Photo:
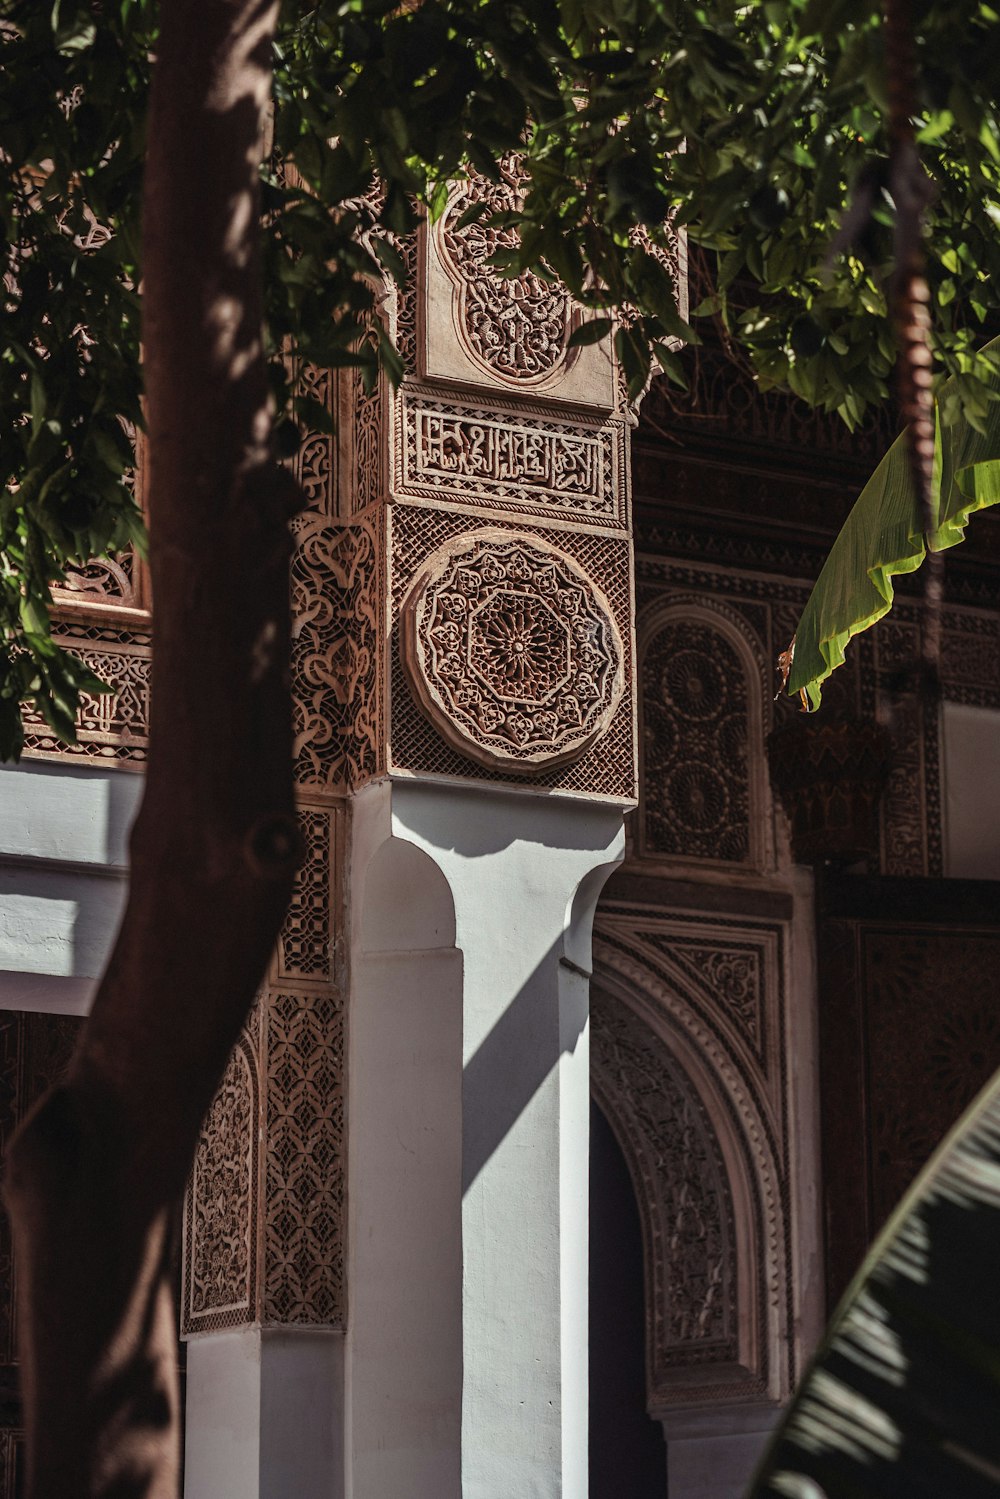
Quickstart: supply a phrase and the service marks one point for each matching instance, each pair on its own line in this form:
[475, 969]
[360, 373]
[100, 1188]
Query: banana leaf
[884, 535]
[903, 1396]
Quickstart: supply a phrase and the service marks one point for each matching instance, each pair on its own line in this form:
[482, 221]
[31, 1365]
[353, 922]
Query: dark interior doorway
[628, 1456]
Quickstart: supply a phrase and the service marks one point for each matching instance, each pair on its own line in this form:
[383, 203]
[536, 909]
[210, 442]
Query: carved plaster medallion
[512, 651]
[513, 329]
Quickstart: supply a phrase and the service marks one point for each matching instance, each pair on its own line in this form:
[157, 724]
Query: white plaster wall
[63, 860]
[971, 791]
[222, 1445]
[712, 1452]
[265, 1415]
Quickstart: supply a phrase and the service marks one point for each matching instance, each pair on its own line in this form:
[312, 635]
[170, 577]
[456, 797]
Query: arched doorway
[627, 1451]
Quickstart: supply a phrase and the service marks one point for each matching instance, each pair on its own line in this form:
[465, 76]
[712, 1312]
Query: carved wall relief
[689, 1065]
[220, 1267]
[703, 792]
[483, 329]
[304, 1161]
[512, 651]
[513, 329]
[112, 726]
[685, 1201]
[263, 1240]
[337, 582]
[757, 613]
[509, 456]
[591, 569]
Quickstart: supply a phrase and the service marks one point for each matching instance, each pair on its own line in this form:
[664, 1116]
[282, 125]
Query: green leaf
[883, 536]
[590, 332]
[901, 1397]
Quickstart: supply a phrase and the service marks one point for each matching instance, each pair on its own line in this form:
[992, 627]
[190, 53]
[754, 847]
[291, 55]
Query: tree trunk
[96, 1171]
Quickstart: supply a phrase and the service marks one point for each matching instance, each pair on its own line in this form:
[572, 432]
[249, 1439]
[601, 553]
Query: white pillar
[468, 1130]
[264, 1415]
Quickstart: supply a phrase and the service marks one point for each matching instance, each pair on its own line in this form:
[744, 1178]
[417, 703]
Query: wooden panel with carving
[910, 1031]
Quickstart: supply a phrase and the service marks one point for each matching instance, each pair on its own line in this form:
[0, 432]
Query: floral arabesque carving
[220, 1239]
[336, 577]
[513, 329]
[512, 651]
[672, 1149]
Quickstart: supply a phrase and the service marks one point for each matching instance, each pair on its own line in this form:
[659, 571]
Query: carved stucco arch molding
[763, 1367]
[696, 609]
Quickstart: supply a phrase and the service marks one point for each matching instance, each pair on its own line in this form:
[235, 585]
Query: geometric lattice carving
[514, 330]
[512, 651]
[220, 1237]
[269, 1172]
[695, 719]
[305, 946]
[303, 1238]
[671, 1145]
[336, 587]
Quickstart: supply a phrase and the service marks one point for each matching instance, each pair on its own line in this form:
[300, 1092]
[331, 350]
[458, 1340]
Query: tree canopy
[759, 130]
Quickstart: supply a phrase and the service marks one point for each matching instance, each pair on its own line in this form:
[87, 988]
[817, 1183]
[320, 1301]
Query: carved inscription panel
[509, 458]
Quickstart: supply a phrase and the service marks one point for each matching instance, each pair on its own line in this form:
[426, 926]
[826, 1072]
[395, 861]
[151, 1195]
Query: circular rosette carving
[512, 651]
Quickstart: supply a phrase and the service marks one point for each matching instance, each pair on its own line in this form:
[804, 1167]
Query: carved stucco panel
[263, 1217]
[222, 1202]
[508, 455]
[487, 330]
[684, 1199]
[512, 651]
[338, 582]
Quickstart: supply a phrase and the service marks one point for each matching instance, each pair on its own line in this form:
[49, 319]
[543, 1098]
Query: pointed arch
[710, 1188]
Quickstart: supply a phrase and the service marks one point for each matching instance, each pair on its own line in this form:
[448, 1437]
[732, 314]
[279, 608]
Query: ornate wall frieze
[111, 726]
[512, 651]
[509, 457]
